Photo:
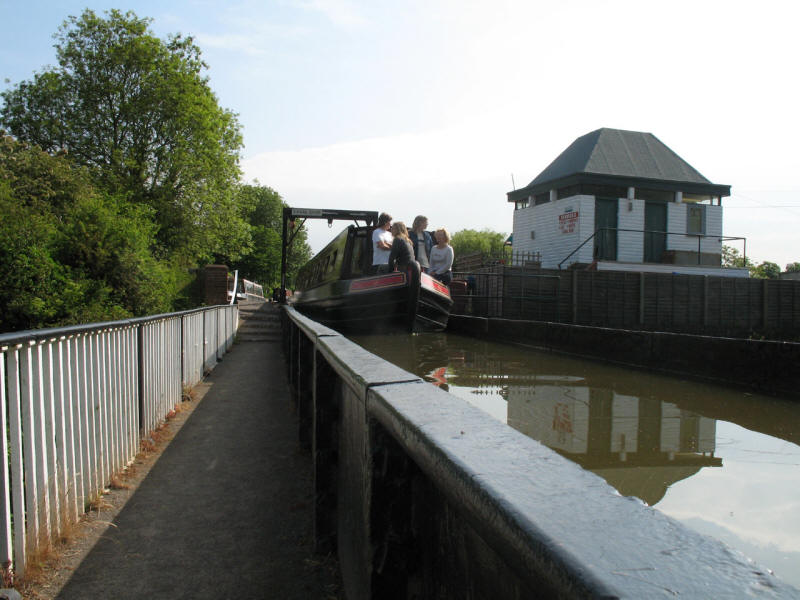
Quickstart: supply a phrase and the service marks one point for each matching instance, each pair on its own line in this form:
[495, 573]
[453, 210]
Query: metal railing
[242, 288]
[700, 238]
[511, 293]
[478, 260]
[75, 404]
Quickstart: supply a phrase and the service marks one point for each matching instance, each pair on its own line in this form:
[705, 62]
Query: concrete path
[226, 510]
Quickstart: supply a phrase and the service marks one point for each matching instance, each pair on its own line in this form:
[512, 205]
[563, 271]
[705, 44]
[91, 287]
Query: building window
[696, 219]
[524, 203]
[605, 191]
[568, 192]
[698, 198]
[654, 195]
[542, 198]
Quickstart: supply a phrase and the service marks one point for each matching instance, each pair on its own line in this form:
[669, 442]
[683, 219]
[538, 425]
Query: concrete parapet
[423, 495]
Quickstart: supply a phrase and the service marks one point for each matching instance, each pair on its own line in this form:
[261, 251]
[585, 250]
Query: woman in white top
[441, 258]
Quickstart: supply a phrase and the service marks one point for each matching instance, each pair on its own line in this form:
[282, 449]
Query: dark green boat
[336, 289]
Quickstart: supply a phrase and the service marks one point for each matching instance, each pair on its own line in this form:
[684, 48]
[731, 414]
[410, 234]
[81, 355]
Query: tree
[731, 258]
[263, 210]
[793, 267]
[766, 270]
[486, 241]
[138, 112]
[72, 253]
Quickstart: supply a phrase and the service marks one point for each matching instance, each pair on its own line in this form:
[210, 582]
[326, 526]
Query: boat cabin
[347, 256]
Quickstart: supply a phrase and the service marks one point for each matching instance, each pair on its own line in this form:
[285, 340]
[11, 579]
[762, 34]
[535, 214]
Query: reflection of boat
[335, 288]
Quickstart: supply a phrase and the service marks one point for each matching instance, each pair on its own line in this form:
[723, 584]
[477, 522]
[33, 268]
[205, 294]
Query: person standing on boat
[422, 242]
[442, 257]
[381, 244]
[402, 251]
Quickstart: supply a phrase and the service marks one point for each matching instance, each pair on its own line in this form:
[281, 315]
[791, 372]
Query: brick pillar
[215, 284]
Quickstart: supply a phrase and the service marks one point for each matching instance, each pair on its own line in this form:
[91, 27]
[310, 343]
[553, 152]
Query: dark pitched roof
[615, 155]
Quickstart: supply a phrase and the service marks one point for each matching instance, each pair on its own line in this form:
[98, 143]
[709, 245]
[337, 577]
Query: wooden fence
[699, 304]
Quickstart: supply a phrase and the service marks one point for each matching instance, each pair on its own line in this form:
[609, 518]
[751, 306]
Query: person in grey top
[422, 242]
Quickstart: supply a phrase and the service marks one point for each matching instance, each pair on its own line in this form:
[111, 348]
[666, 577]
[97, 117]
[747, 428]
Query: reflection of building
[641, 446]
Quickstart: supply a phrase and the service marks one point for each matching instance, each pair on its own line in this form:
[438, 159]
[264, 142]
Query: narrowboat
[336, 289]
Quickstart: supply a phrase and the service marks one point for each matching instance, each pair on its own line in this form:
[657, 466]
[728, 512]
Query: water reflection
[694, 450]
[641, 446]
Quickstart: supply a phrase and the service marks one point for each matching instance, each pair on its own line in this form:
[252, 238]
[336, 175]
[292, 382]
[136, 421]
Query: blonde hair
[399, 230]
[418, 220]
[446, 234]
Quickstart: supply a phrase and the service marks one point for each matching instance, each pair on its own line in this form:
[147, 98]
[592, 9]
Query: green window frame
[695, 219]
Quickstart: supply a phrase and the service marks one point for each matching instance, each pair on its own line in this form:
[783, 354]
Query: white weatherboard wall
[557, 416]
[630, 244]
[676, 223]
[624, 424]
[553, 240]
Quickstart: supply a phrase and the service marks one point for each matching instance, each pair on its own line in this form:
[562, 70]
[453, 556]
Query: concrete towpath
[226, 512]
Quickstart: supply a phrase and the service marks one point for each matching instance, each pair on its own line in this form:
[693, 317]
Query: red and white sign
[567, 220]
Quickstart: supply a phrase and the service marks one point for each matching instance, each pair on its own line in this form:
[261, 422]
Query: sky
[441, 107]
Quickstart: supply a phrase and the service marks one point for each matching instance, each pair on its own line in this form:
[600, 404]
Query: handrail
[79, 401]
[15, 337]
[699, 236]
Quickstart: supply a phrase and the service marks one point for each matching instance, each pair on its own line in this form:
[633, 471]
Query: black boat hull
[400, 301]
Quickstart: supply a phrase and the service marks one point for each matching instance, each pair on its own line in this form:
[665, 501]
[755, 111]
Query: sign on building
[567, 221]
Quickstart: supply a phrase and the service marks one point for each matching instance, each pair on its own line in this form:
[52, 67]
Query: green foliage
[72, 253]
[731, 258]
[766, 270]
[262, 208]
[31, 278]
[107, 240]
[486, 241]
[138, 113]
[793, 267]
[122, 176]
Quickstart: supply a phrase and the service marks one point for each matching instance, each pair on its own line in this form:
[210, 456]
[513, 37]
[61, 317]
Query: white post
[29, 439]
[73, 430]
[15, 418]
[6, 549]
[60, 401]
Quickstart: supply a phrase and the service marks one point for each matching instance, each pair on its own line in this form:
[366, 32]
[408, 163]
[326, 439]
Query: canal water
[722, 461]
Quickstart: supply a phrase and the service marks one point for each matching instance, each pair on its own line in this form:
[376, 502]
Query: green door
[655, 220]
[605, 226]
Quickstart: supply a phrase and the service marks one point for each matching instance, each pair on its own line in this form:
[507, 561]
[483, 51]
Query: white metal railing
[251, 288]
[75, 403]
[241, 289]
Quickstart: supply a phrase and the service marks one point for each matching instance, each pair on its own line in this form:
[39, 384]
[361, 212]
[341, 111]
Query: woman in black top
[402, 252]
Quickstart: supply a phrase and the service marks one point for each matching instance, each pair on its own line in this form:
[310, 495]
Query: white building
[622, 200]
